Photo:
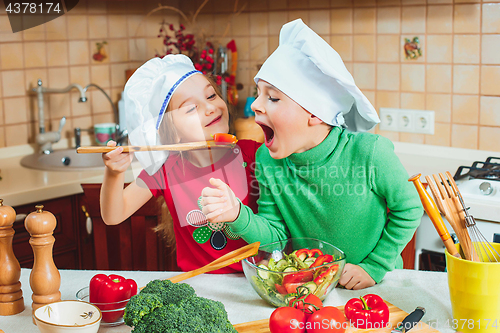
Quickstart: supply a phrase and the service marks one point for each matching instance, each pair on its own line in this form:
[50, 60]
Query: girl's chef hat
[311, 72]
[147, 94]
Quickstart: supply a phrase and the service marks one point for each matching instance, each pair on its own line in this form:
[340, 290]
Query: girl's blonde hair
[168, 134]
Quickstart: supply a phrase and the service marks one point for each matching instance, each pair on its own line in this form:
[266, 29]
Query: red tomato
[329, 319]
[287, 320]
[301, 303]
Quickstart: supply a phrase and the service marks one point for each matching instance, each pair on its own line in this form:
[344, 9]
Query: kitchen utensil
[173, 147]
[68, 316]
[483, 250]
[226, 260]
[396, 316]
[474, 293]
[447, 201]
[11, 294]
[410, 321]
[274, 285]
[433, 213]
[45, 279]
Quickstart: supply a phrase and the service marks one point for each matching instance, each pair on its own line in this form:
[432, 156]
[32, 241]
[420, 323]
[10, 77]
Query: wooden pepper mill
[11, 295]
[45, 279]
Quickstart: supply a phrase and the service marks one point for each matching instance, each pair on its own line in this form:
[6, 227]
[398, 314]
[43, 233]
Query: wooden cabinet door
[132, 244]
[66, 247]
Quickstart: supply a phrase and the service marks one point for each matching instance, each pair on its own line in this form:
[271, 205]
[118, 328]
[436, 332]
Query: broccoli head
[192, 315]
[139, 306]
[170, 293]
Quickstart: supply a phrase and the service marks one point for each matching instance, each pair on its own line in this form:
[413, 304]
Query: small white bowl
[68, 316]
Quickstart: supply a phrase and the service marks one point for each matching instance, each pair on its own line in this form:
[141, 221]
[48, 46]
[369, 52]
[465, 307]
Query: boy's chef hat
[311, 72]
[147, 94]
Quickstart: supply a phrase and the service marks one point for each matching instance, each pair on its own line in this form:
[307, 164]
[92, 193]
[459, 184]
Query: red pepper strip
[112, 289]
[328, 274]
[302, 254]
[303, 277]
[367, 312]
[313, 252]
[224, 137]
[325, 258]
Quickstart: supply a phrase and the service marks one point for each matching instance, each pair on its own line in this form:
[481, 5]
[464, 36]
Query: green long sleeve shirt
[340, 192]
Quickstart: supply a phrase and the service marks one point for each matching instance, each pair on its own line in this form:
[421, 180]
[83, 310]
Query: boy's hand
[354, 277]
[116, 161]
[219, 203]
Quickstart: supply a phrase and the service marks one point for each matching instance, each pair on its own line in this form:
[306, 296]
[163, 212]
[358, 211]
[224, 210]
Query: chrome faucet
[46, 139]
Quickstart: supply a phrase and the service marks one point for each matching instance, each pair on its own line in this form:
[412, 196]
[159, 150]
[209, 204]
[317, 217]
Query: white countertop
[405, 289]
[20, 185]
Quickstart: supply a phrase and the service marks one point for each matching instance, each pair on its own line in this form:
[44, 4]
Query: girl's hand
[354, 277]
[219, 203]
[116, 161]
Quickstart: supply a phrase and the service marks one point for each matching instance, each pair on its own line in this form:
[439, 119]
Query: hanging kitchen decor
[412, 48]
[100, 54]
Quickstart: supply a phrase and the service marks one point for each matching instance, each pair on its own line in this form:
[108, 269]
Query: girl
[168, 101]
[316, 178]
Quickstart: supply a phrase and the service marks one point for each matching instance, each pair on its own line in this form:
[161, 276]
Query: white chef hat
[309, 71]
[147, 94]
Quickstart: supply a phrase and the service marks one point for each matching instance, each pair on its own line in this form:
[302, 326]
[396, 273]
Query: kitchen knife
[410, 321]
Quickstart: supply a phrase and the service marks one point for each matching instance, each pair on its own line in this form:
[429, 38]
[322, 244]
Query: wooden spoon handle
[432, 210]
[174, 147]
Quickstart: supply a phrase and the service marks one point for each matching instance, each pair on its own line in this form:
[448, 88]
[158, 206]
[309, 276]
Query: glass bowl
[265, 272]
[112, 313]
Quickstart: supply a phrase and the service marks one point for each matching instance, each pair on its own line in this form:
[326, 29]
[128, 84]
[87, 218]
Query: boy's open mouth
[268, 134]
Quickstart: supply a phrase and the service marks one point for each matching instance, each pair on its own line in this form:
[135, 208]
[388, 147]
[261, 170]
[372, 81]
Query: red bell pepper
[367, 312]
[304, 276]
[323, 259]
[326, 275]
[109, 293]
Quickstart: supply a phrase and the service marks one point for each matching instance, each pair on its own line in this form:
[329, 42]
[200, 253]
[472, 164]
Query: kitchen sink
[63, 160]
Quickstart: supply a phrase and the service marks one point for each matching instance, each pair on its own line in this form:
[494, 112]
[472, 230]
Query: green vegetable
[166, 307]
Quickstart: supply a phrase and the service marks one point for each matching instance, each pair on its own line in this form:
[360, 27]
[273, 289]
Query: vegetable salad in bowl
[280, 268]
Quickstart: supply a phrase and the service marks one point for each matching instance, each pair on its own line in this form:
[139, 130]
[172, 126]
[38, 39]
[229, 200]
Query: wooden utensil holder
[45, 279]
[11, 295]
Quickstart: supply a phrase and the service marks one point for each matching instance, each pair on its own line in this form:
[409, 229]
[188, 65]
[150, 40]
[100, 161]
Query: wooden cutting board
[396, 316]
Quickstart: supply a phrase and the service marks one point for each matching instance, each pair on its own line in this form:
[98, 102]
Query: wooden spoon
[174, 147]
[226, 260]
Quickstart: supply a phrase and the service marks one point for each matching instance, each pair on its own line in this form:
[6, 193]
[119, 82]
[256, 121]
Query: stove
[479, 185]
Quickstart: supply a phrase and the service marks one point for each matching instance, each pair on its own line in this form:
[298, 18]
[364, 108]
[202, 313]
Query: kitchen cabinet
[66, 250]
[132, 244]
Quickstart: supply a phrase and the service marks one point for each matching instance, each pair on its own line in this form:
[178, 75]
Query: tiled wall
[458, 75]
[60, 52]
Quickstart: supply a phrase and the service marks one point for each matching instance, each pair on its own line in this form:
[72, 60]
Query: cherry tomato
[287, 320]
[304, 303]
[224, 137]
[328, 319]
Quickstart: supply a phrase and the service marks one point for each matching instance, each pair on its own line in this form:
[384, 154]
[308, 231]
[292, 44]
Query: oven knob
[485, 188]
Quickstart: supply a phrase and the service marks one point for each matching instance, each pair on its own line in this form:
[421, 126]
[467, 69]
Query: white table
[406, 289]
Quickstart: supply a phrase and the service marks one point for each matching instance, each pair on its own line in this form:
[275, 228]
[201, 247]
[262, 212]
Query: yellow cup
[474, 293]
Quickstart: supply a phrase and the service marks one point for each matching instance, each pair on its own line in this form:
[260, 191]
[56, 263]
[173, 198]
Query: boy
[316, 178]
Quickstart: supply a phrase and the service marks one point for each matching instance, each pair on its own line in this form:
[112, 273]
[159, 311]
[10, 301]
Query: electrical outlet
[406, 120]
[388, 119]
[424, 122]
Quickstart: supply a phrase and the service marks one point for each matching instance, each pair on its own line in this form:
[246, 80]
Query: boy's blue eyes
[211, 96]
[273, 99]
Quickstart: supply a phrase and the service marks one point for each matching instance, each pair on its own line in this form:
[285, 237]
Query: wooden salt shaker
[11, 295]
[45, 279]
